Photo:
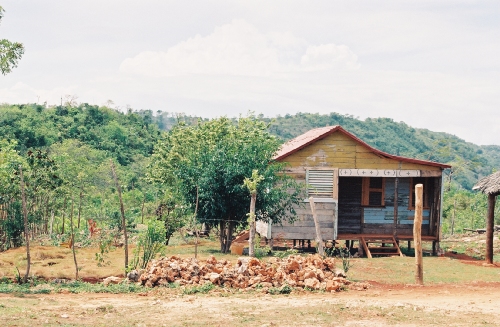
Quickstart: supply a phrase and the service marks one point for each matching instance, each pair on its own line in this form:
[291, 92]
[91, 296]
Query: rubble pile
[311, 272]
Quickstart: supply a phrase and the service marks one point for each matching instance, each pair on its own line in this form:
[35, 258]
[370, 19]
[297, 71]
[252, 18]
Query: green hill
[126, 135]
[470, 161]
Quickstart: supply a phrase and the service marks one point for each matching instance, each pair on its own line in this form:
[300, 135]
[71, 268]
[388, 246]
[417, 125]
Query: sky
[431, 64]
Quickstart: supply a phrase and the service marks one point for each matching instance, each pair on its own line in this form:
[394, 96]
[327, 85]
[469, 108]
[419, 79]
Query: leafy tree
[210, 160]
[173, 215]
[10, 52]
[11, 224]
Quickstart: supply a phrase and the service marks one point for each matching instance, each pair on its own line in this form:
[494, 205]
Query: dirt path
[381, 305]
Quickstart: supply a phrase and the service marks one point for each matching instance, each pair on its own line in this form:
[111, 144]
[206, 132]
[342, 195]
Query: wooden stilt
[490, 221]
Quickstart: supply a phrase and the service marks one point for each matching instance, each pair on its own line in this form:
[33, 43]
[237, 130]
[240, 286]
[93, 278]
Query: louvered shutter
[320, 183]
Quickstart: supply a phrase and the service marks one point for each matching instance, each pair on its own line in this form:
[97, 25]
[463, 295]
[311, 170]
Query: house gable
[335, 147]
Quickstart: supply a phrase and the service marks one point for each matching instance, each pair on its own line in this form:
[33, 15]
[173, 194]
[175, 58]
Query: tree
[10, 52]
[251, 184]
[211, 160]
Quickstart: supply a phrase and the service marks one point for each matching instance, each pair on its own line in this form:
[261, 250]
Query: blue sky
[431, 64]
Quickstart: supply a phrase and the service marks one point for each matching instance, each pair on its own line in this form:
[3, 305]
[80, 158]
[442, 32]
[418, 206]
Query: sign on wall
[378, 173]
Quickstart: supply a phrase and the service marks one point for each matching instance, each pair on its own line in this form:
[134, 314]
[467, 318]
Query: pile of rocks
[311, 272]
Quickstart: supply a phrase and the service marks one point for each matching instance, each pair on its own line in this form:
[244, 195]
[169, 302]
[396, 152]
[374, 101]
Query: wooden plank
[309, 234]
[336, 185]
[365, 247]
[319, 238]
[417, 233]
[431, 173]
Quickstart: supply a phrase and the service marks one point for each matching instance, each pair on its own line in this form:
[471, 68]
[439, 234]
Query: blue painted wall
[385, 215]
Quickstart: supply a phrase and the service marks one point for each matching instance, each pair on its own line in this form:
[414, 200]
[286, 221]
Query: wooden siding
[339, 151]
[350, 212]
[303, 227]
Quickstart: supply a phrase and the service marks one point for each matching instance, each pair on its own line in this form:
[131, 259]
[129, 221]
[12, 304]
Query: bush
[150, 242]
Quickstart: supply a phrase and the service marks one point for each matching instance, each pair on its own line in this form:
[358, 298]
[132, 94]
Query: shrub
[150, 242]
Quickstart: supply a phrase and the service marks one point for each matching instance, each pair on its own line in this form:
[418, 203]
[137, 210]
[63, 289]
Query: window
[425, 181]
[373, 192]
[320, 183]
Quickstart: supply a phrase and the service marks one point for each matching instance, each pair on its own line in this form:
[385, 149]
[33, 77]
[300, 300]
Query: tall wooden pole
[319, 238]
[490, 221]
[26, 229]
[417, 234]
[122, 210]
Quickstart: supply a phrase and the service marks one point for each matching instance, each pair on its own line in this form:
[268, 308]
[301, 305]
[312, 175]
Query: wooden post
[490, 221]
[417, 234]
[319, 239]
[396, 201]
[26, 229]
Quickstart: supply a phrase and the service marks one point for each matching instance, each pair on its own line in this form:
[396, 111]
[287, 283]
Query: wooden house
[354, 187]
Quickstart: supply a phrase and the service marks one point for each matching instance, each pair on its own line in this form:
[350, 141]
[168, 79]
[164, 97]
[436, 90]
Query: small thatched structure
[489, 185]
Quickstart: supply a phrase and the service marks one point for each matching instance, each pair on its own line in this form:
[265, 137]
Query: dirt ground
[472, 304]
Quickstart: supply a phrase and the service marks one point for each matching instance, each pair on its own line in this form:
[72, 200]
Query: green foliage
[465, 209]
[73, 287]
[340, 252]
[205, 288]
[173, 214]
[286, 253]
[285, 289]
[150, 242]
[208, 162]
[10, 52]
[104, 242]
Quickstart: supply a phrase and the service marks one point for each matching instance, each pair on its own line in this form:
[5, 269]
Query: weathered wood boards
[417, 237]
[351, 201]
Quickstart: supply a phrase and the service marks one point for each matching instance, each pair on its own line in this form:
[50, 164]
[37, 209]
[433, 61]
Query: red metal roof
[316, 134]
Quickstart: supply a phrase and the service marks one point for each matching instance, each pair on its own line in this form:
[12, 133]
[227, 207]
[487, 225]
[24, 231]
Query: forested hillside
[470, 162]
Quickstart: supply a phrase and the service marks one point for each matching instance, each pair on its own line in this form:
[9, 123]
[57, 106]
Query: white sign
[378, 173]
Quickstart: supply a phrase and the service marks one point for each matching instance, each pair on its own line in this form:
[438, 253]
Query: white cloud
[240, 49]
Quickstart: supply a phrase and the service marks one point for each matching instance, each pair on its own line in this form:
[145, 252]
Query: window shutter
[320, 183]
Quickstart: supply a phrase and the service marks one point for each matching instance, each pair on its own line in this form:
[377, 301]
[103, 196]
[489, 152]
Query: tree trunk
[251, 239]
[63, 213]
[230, 226]
[26, 229]
[122, 210]
[142, 210]
[80, 207]
[194, 226]
[222, 235]
[453, 216]
[51, 221]
[73, 238]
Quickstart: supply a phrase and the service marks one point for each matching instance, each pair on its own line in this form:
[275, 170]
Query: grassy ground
[457, 292]
[49, 262]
